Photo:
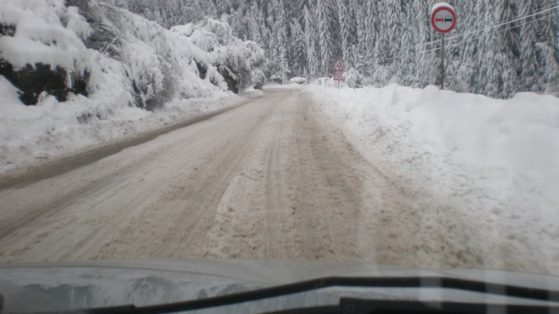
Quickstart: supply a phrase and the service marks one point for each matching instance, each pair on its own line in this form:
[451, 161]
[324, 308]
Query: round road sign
[443, 17]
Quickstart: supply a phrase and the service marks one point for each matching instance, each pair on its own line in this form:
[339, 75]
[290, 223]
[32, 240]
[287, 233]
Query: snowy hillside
[492, 162]
[97, 73]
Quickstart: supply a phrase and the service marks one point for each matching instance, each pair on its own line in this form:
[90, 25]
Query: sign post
[443, 20]
[339, 73]
[442, 62]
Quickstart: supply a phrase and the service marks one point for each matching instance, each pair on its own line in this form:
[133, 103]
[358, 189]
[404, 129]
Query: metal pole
[442, 63]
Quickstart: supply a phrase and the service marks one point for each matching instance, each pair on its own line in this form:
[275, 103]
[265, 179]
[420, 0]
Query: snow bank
[520, 134]
[140, 76]
[493, 161]
[31, 135]
[324, 81]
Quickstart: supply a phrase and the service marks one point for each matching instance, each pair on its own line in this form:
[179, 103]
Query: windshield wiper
[349, 282]
[359, 306]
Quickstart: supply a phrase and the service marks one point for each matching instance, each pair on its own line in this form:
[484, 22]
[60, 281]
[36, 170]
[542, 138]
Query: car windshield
[362, 135]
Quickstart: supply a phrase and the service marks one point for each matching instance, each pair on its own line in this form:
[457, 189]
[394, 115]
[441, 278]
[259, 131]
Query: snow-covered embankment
[494, 162]
[91, 74]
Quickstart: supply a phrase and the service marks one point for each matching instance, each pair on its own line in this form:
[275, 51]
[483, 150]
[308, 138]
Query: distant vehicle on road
[298, 80]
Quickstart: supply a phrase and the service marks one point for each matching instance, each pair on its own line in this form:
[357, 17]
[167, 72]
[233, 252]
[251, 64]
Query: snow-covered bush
[160, 64]
[353, 78]
[238, 61]
[258, 78]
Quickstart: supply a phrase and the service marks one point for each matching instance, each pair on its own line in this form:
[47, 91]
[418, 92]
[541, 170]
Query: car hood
[66, 286]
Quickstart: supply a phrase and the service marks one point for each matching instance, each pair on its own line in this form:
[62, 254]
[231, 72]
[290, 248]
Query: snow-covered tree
[373, 41]
[325, 38]
[347, 35]
[297, 48]
[529, 55]
[507, 48]
[407, 55]
[256, 24]
[313, 65]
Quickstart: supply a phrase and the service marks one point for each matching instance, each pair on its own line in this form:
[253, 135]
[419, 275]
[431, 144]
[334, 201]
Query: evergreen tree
[487, 74]
[361, 17]
[327, 27]
[529, 69]
[423, 51]
[237, 25]
[547, 26]
[255, 24]
[313, 65]
[373, 40]
[222, 6]
[324, 37]
[346, 33]
[407, 58]
[297, 48]
[508, 49]
[281, 28]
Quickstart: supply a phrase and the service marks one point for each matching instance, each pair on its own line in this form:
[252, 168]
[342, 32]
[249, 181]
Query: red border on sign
[452, 12]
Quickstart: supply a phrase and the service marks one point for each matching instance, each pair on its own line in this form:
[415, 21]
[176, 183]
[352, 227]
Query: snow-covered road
[262, 181]
[268, 180]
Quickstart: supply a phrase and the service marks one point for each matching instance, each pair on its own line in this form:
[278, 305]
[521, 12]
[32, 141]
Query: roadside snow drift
[496, 162]
[136, 76]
